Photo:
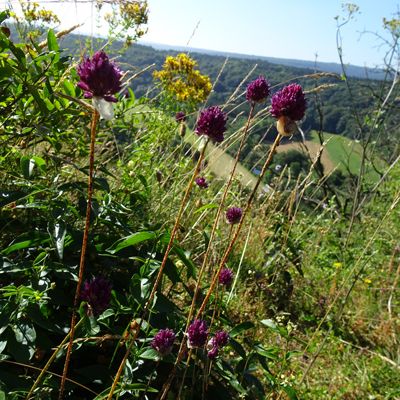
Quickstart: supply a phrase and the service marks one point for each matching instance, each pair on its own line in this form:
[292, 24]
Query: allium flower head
[99, 77]
[212, 123]
[163, 341]
[225, 276]
[233, 215]
[258, 90]
[220, 340]
[213, 350]
[197, 333]
[180, 116]
[201, 182]
[97, 293]
[289, 102]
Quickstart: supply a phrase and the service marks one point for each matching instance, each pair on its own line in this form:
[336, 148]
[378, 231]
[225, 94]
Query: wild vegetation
[134, 265]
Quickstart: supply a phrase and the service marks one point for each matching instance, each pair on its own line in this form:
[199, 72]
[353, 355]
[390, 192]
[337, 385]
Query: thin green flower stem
[167, 384]
[160, 271]
[95, 120]
[236, 235]
[49, 362]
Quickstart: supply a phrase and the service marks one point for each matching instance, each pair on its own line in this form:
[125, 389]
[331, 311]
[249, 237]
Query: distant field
[339, 152]
[221, 163]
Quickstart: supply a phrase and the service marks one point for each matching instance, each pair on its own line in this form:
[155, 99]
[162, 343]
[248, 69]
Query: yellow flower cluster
[33, 13]
[180, 79]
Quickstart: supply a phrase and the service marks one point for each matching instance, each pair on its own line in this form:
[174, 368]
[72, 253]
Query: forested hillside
[331, 109]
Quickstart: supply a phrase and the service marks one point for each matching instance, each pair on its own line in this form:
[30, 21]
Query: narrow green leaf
[206, 207]
[131, 240]
[244, 326]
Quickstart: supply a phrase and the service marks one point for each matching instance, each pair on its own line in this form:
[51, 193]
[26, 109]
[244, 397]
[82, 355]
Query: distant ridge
[351, 70]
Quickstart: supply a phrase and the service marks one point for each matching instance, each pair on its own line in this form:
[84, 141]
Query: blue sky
[287, 28]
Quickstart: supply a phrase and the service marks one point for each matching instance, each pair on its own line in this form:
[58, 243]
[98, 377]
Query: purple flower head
[97, 293]
[213, 350]
[100, 77]
[212, 123]
[163, 341]
[289, 102]
[258, 90]
[197, 333]
[233, 215]
[201, 182]
[180, 116]
[225, 277]
[221, 338]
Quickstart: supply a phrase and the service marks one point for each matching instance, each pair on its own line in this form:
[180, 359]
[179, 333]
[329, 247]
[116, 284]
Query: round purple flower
[258, 90]
[213, 350]
[221, 338]
[289, 102]
[201, 182]
[180, 116]
[197, 333]
[233, 215]
[163, 341]
[97, 293]
[212, 123]
[99, 77]
[225, 276]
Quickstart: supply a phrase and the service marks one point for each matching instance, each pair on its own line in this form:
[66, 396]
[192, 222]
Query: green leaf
[4, 15]
[206, 207]
[274, 327]
[150, 354]
[271, 353]
[3, 345]
[186, 261]
[131, 240]
[52, 41]
[290, 392]
[27, 164]
[69, 88]
[33, 239]
[40, 163]
[59, 234]
[244, 326]
[237, 347]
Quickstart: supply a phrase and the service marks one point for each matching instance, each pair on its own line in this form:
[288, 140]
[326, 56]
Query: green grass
[345, 153]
